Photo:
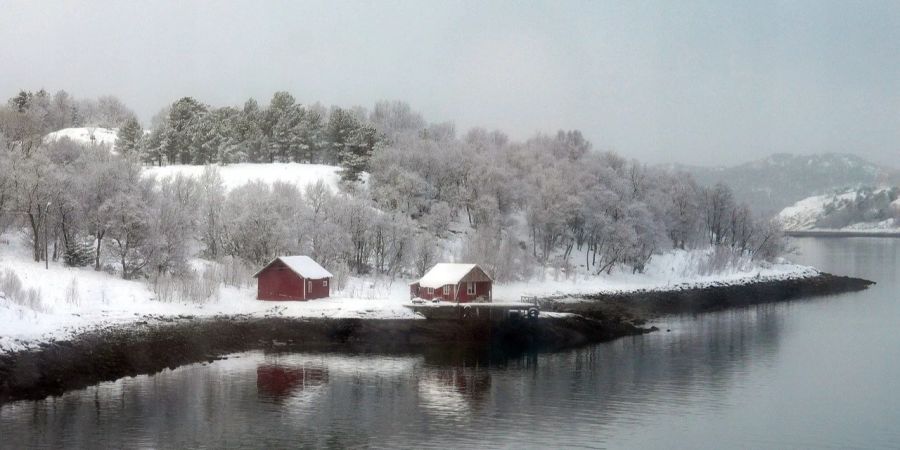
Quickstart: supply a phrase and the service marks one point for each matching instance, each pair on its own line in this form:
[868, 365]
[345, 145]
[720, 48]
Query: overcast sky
[695, 82]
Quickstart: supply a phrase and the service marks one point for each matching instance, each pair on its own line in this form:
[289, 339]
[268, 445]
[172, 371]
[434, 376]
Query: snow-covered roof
[443, 274]
[301, 265]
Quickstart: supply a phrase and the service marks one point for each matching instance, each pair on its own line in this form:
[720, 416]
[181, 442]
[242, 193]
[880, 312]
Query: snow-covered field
[236, 175]
[74, 300]
[233, 175]
[86, 135]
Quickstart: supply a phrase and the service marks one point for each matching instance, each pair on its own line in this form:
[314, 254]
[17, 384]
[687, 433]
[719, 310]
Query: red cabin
[292, 278]
[453, 283]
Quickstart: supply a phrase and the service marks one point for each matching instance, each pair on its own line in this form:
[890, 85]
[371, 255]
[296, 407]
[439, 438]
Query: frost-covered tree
[175, 205]
[253, 228]
[179, 130]
[129, 136]
[211, 205]
[131, 241]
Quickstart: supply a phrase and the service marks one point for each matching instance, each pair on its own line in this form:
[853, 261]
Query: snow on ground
[673, 270]
[888, 225]
[86, 135]
[236, 175]
[102, 299]
[75, 300]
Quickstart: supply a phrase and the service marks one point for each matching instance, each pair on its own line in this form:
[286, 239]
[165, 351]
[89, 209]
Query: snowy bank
[673, 270]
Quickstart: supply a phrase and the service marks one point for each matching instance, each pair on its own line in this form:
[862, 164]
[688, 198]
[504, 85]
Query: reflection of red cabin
[453, 282]
[292, 278]
[279, 381]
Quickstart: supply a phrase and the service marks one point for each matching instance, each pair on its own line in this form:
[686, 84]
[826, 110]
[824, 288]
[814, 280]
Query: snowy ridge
[86, 135]
[236, 175]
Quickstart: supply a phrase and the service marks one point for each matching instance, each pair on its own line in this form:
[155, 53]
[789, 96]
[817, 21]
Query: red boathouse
[292, 278]
[454, 283]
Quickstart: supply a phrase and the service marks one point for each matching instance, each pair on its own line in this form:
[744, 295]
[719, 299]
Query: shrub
[11, 288]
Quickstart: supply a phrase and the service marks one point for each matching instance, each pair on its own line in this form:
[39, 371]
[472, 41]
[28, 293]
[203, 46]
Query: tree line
[517, 208]
[190, 132]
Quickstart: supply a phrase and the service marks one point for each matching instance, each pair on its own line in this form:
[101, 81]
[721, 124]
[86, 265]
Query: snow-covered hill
[851, 209]
[86, 135]
[236, 175]
[778, 181]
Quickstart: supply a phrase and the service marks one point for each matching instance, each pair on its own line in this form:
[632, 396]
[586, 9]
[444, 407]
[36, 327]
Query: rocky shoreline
[642, 305]
[115, 352]
[844, 233]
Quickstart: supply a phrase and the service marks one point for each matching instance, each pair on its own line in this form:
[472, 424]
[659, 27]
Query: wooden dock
[475, 311]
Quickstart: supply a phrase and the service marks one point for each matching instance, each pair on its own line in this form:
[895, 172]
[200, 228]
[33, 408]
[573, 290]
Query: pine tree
[177, 139]
[151, 147]
[78, 253]
[129, 136]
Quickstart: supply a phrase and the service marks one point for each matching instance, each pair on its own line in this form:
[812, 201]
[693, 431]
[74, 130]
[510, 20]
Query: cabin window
[324, 283]
[430, 291]
[309, 286]
[447, 290]
[470, 288]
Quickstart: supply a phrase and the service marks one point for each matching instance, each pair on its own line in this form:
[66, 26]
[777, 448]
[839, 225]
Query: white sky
[662, 81]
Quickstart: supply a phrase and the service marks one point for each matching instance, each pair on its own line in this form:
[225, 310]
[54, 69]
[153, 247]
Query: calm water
[815, 373]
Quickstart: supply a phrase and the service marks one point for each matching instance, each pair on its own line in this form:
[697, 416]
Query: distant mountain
[863, 208]
[769, 185]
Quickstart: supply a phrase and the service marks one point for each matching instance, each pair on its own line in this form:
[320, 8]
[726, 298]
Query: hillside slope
[768, 185]
[86, 135]
[863, 208]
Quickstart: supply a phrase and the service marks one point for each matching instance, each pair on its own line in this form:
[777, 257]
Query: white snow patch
[236, 175]
[86, 135]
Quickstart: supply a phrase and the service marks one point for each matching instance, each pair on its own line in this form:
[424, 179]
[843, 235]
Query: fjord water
[813, 373]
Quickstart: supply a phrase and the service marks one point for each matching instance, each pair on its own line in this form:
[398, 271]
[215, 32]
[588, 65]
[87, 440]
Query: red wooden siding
[278, 282]
[482, 289]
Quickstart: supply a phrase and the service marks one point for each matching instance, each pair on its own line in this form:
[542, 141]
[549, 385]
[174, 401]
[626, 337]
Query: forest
[412, 193]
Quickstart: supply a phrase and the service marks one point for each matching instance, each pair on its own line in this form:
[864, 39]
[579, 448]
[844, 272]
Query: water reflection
[411, 400]
[277, 382]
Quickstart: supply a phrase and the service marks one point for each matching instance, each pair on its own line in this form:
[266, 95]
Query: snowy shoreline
[112, 302]
[158, 342]
[845, 232]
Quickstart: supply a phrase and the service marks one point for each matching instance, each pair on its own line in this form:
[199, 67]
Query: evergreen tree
[350, 142]
[78, 254]
[177, 140]
[151, 147]
[129, 136]
[248, 135]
